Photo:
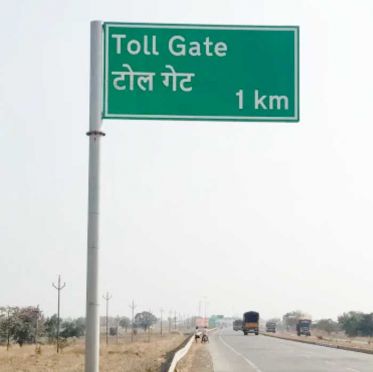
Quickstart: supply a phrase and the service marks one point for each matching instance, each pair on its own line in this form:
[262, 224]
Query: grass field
[140, 356]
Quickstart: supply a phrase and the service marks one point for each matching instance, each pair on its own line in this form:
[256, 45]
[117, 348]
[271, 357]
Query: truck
[237, 325]
[304, 327]
[202, 322]
[250, 323]
[271, 327]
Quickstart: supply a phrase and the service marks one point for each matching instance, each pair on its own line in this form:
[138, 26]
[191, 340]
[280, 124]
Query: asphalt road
[233, 352]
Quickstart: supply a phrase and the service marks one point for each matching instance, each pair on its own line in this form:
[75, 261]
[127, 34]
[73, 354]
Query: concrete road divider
[182, 352]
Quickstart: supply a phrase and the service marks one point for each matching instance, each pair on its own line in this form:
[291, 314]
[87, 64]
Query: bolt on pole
[107, 298]
[59, 288]
[92, 339]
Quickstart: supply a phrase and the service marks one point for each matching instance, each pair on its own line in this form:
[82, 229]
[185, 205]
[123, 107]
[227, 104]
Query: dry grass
[139, 356]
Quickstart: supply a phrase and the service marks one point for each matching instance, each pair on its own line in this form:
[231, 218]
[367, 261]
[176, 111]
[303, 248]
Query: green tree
[274, 320]
[20, 325]
[145, 320]
[290, 319]
[7, 324]
[351, 322]
[80, 323]
[124, 322]
[366, 325]
[24, 324]
[51, 327]
[72, 328]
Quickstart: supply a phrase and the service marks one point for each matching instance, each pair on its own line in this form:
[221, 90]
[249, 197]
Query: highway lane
[233, 352]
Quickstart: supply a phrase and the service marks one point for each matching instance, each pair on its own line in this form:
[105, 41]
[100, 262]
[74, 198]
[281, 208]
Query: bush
[327, 325]
[356, 323]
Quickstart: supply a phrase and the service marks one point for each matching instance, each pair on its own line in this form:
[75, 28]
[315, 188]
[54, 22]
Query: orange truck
[250, 323]
[202, 322]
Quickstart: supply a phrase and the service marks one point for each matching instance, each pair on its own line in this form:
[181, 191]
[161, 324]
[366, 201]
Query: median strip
[321, 343]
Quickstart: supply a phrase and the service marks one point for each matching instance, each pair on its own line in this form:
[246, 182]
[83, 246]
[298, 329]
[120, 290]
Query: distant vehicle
[113, 331]
[271, 327]
[202, 322]
[303, 327]
[250, 323]
[237, 325]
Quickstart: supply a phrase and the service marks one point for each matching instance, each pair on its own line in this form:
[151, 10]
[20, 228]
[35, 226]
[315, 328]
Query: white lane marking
[249, 362]
[352, 369]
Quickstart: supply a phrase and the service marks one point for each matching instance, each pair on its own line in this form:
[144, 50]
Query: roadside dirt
[198, 359]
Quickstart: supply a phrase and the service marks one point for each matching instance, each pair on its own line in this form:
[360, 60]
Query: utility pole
[8, 329]
[149, 326]
[59, 288]
[37, 313]
[107, 298]
[205, 303]
[188, 321]
[175, 319]
[161, 322]
[169, 321]
[132, 307]
[92, 338]
[118, 319]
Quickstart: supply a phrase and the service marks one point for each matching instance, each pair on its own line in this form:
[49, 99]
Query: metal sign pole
[95, 125]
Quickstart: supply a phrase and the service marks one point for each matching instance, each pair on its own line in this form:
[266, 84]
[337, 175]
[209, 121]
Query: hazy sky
[271, 217]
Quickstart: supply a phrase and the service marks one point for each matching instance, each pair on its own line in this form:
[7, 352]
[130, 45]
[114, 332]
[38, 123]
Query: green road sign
[201, 72]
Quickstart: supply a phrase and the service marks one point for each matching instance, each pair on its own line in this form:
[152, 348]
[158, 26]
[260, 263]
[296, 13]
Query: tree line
[26, 325]
[353, 323]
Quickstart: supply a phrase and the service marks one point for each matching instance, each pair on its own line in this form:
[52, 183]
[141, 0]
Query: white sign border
[295, 118]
